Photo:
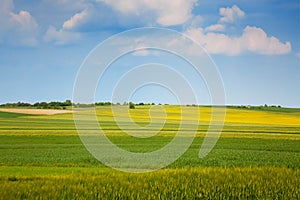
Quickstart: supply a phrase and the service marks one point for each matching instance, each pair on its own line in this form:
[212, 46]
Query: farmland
[257, 156]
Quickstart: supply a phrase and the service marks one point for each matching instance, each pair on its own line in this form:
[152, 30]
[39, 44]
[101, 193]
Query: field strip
[73, 133]
[35, 111]
[184, 183]
[53, 171]
[46, 170]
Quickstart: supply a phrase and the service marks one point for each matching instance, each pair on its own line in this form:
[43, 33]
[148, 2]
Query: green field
[257, 156]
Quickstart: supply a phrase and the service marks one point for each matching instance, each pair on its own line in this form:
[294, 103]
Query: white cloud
[298, 55]
[67, 34]
[128, 14]
[215, 43]
[60, 37]
[166, 13]
[17, 28]
[215, 28]
[229, 15]
[95, 17]
[253, 40]
[256, 40]
[76, 20]
[25, 28]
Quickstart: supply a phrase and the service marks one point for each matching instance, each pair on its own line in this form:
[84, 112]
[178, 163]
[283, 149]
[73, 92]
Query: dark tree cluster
[40, 105]
[18, 104]
[103, 103]
[68, 103]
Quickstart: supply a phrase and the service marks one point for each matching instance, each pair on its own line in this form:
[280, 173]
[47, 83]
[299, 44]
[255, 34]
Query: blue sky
[255, 45]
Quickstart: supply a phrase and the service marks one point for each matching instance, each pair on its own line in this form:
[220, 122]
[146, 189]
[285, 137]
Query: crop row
[196, 183]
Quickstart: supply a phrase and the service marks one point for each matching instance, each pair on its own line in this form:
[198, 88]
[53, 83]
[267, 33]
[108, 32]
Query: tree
[131, 105]
[68, 102]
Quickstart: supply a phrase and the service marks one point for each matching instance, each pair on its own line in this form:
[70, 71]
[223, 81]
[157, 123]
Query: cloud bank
[166, 13]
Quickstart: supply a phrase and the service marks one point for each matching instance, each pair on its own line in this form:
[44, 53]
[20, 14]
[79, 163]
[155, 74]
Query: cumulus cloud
[67, 33]
[229, 15]
[215, 28]
[256, 40]
[76, 20]
[166, 13]
[17, 28]
[61, 36]
[253, 40]
[95, 17]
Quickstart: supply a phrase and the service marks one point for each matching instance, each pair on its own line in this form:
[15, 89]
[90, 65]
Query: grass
[257, 156]
[197, 183]
[67, 151]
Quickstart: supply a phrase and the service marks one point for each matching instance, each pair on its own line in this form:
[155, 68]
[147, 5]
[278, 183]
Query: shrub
[131, 105]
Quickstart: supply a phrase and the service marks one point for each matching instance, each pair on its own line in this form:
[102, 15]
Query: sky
[254, 45]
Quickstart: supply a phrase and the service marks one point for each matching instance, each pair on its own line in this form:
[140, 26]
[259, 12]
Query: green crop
[204, 183]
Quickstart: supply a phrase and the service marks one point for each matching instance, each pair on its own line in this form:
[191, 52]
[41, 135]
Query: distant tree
[68, 102]
[131, 105]
[43, 105]
[107, 103]
[99, 104]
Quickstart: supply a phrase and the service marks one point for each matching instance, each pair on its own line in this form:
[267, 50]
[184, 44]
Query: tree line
[39, 105]
[68, 103]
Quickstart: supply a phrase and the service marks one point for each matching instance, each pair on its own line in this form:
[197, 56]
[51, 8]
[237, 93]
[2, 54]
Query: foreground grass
[195, 183]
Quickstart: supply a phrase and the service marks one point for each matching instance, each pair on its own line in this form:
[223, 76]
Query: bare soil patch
[35, 111]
